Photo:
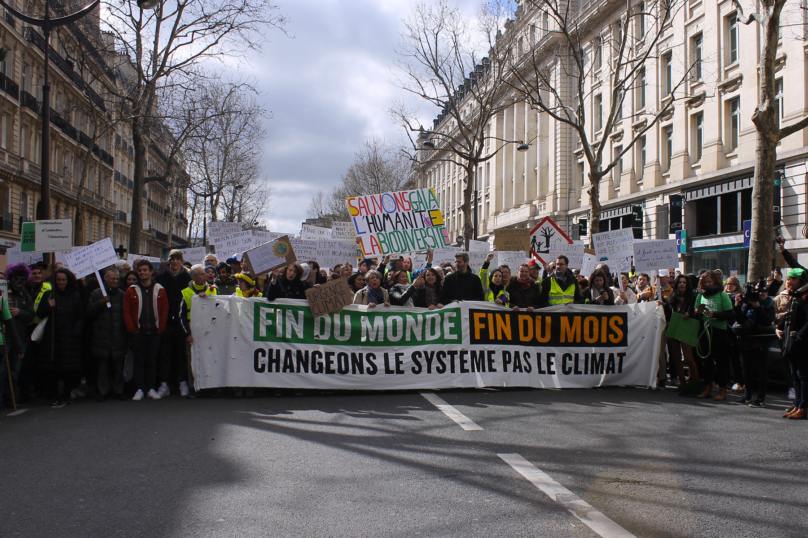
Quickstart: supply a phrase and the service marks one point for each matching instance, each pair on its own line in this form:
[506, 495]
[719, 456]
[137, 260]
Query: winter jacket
[361, 296]
[563, 282]
[462, 287]
[110, 338]
[592, 294]
[25, 304]
[173, 286]
[226, 287]
[755, 321]
[402, 295]
[680, 304]
[795, 324]
[68, 325]
[631, 297]
[284, 289]
[419, 299]
[185, 308]
[132, 307]
[521, 297]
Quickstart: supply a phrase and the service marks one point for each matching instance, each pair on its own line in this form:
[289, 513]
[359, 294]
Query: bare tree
[769, 133]
[162, 45]
[440, 63]
[557, 79]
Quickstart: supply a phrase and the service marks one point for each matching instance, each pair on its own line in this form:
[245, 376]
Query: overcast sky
[328, 89]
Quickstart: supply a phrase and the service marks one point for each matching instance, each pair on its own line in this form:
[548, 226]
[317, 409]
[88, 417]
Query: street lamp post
[47, 24]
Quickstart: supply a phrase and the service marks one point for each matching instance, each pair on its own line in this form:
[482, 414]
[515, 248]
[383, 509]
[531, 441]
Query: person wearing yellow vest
[37, 288]
[560, 287]
[246, 286]
[197, 286]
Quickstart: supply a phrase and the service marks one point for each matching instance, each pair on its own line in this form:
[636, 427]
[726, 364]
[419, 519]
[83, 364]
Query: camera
[752, 291]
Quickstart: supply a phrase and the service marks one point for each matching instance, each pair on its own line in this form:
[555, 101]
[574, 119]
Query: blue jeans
[146, 349]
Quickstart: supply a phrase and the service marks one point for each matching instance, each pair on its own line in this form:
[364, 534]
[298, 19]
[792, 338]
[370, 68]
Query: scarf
[377, 295]
[199, 290]
[431, 295]
[525, 284]
[711, 290]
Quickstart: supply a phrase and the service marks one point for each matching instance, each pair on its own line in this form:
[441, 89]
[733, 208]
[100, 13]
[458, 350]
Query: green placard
[28, 237]
[686, 331]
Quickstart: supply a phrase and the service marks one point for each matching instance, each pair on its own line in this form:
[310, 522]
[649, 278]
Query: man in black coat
[462, 284]
[109, 341]
[562, 278]
[793, 332]
[174, 279]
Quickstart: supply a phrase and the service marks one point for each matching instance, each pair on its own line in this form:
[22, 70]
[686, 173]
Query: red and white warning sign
[548, 241]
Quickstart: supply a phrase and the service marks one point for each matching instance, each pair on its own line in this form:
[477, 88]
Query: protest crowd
[131, 339]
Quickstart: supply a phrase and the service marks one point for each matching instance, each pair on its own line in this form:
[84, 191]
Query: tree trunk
[468, 190]
[765, 119]
[139, 141]
[79, 238]
[594, 204]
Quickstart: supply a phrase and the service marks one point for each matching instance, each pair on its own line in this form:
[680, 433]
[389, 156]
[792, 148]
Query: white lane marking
[590, 517]
[17, 412]
[462, 420]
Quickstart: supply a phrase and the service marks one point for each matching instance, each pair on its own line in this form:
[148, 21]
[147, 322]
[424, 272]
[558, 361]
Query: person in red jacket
[145, 313]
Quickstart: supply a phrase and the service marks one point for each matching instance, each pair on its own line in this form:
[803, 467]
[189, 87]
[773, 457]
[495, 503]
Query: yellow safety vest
[189, 292]
[45, 287]
[559, 296]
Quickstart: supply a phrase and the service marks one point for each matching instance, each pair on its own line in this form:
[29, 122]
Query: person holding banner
[645, 292]
[624, 294]
[225, 284]
[285, 283]
[60, 355]
[523, 291]
[246, 286]
[373, 293]
[430, 289]
[15, 355]
[561, 287]
[715, 308]
[402, 292]
[462, 285]
[145, 312]
[199, 285]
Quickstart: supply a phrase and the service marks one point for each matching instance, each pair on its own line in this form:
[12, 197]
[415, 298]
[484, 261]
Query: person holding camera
[754, 327]
[715, 309]
[792, 329]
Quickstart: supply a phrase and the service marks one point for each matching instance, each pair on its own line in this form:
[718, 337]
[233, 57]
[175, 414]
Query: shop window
[706, 216]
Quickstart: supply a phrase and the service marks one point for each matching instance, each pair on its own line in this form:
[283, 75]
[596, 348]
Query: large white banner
[253, 342]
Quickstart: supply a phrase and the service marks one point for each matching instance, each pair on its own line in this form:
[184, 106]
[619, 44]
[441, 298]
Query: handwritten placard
[92, 258]
[331, 253]
[588, 264]
[399, 221]
[305, 249]
[652, 255]
[512, 239]
[330, 297]
[573, 251]
[513, 259]
[314, 232]
[233, 245]
[445, 255]
[343, 230]
[219, 229]
[479, 246]
[132, 258]
[269, 256]
[614, 244]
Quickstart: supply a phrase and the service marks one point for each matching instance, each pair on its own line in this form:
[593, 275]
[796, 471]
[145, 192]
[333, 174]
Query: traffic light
[636, 216]
[581, 227]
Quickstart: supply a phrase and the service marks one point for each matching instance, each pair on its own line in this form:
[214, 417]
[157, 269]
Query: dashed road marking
[462, 420]
[579, 508]
[17, 412]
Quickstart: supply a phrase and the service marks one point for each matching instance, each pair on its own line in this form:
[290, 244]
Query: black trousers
[755, 356]
[146, 349]
[716, 363]
[173, 361]
[51, 381]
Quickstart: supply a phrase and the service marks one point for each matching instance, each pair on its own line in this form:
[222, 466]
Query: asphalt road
[393, 465]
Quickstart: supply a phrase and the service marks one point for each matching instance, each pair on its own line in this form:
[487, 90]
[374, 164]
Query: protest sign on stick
[478, 246]
[654, 255]
[512, 240]
[233, 245]
[343, 230]
[314, 232]
[53, 235]
[330, 297]
[614, 244]
[92, 259]
[548, 241]
[219, 229]
[400, 221]
[331, 253]
[270, 256]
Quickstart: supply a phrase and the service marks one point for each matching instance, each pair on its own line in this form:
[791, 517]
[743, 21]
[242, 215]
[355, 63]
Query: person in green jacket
[715, 308]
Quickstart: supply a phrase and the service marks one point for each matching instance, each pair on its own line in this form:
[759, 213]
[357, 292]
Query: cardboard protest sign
[399, 221]
[260, 237]
[53, 235]
[653, 255]
[343, 230]
[314, 232]
[330, 297]
[512, 239]
[331, 253]
[219, 229]
[545, 238]
[614, 244]
[90, 259]
[270, 256]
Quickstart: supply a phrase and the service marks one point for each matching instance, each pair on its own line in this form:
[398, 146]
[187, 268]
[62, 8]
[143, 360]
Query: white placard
[445, 255]
[343, 230]
[219, 229]
[331, 253]
[233, 245]
[53, 235]
[261, 237]
[478, 246]
[573, 251]
[513, 259]
[15, 255]
[193, 254]
[90, 259]
[304, 249]
[476, 260]
[653, 255]
[269, 256]
[590, 262]
[132, 258]
[614, 244]
[315, 232]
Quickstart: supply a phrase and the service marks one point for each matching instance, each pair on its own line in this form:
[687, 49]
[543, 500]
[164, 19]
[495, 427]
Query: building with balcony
[703, 150]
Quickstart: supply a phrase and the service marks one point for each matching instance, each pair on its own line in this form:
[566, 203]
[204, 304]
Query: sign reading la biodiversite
[400, 221]
[253, 342]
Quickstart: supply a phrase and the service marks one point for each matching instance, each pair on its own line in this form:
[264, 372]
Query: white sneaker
[791, 393]
[153, 395]
[163, 391]
[184, 390]
[138, 396]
